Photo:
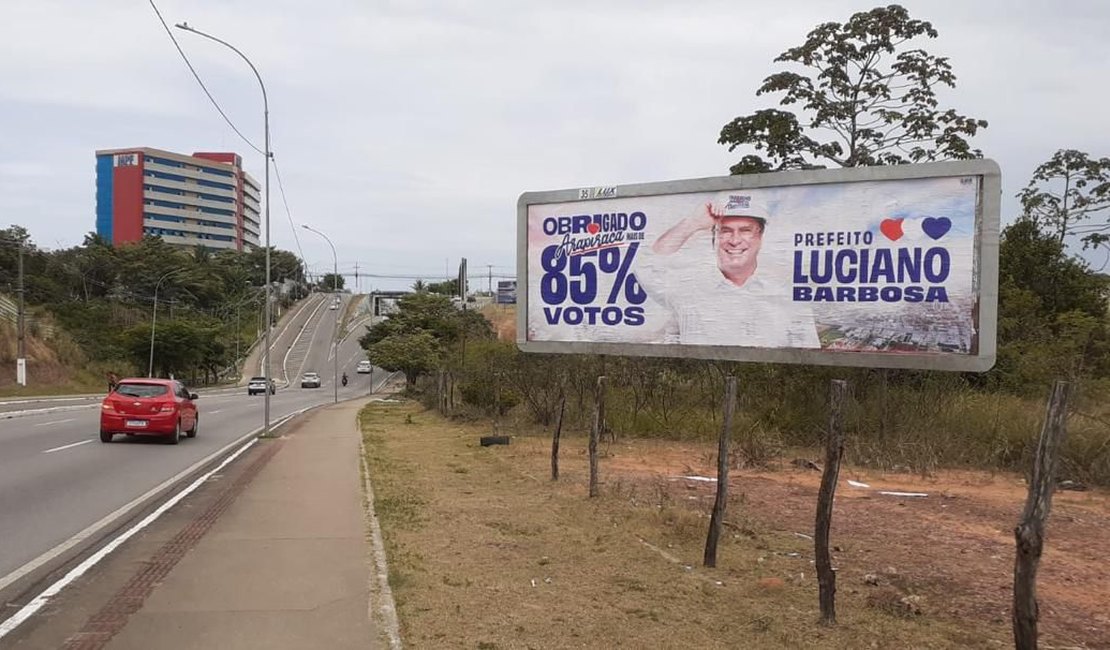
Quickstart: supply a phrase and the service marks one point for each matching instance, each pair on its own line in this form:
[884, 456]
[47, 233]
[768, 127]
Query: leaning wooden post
[719, 505]
[595, 433]
[555, 438]
[1029, 533]
[834, 447]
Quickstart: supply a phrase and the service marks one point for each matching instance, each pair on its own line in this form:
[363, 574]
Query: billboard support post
[595, 432]
[834, 448]
[721, 502]
[558, 433]
[1029, 533]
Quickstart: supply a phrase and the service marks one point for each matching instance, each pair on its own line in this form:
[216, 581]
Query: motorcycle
[344, 380]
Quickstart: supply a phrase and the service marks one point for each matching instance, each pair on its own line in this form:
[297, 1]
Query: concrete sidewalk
[284, 562]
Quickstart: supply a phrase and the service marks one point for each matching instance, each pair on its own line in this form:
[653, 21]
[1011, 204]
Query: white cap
[740, 203]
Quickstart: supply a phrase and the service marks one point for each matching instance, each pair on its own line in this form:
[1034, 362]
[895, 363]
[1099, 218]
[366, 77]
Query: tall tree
[330, 281]
[867, 97]
[1066, 192]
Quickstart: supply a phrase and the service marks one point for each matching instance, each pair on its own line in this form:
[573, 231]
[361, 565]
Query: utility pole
[490, 288]
[21, 362]
[356, 278]
[238, 306]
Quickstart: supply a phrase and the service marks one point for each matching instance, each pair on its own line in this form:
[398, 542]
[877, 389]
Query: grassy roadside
[486, 552]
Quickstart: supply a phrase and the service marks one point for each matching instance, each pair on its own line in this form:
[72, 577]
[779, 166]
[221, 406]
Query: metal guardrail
[9, 311]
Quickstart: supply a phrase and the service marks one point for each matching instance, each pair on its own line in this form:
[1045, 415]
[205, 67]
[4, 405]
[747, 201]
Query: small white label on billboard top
[597, 193]
[884, 267]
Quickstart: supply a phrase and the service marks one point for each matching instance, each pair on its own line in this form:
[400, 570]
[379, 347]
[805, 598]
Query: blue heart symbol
[936, 227]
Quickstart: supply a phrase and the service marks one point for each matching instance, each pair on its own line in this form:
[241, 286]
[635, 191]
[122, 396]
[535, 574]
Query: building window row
[182, 179]
[199, 195]
[222, 186]
[189, 207]
[166, 232]
[198, 168]
[202, 222]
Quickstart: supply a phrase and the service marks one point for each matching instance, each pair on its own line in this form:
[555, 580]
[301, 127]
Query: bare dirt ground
[488, 552]
[954, 547]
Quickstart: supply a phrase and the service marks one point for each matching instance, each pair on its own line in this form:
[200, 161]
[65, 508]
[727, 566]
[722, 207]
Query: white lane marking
[76, 572]
[56, 409]
[285, 359]
[39, 601]
[37, 400]
[43, 424]
[69, 446]
[214, 412]
[277, 339]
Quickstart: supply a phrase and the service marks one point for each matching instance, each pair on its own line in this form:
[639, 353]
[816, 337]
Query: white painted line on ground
[39, 601]
[213, 412]
[275, 340]
[69, 446]
[54, 409]
[43, 424]
[35, 400]
[285, 360]
[76, 572]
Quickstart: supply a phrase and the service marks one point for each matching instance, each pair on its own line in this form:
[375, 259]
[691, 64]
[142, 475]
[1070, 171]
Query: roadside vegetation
[89, 310]
[1052, 324]
[1052, 317]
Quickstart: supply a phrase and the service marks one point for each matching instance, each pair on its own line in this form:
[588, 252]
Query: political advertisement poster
[882, 267]
[506, 292]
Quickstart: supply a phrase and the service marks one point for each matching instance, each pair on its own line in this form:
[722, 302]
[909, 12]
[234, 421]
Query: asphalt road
[57, 478]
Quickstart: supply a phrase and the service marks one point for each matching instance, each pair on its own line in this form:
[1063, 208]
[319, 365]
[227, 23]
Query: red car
[149, 407]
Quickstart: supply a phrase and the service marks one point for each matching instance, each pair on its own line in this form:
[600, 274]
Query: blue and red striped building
[205, 199]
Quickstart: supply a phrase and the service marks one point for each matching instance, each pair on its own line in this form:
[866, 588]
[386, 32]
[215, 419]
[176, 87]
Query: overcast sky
[406, 130]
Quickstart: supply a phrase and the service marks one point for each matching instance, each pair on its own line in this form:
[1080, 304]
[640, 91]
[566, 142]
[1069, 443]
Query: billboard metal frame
[986, 261]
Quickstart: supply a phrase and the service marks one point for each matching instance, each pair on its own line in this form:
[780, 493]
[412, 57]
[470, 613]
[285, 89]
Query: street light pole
[268, 155]
[154, 321]
[335, 289]
[21, 361]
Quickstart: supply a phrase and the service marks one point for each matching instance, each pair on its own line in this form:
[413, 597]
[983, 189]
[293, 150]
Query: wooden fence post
[595, 433]
[1029, 533]
[834, 447]
[721, 502]
[555, 438]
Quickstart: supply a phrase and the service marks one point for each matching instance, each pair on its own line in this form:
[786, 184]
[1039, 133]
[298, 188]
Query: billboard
[506, 292]
[879, 266]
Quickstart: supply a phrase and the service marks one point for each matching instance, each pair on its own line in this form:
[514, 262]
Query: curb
[386, 614]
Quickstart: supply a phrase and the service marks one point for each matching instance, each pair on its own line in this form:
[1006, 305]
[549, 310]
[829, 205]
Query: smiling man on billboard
[737, 304]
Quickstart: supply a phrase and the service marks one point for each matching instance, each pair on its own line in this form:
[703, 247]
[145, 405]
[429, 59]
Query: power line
[281, 187]
[202, 86]
[288, 212]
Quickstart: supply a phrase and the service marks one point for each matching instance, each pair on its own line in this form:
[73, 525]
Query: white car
[364, 368]
[333, 306]
[258, 385]
[310, 380]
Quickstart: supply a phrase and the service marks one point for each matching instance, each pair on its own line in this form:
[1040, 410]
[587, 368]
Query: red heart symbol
[593, 228]
[892, 228]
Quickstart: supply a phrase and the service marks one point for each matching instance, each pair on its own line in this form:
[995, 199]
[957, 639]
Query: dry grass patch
[486, 552]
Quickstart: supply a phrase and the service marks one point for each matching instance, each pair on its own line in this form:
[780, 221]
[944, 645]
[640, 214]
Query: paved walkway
[276, 557]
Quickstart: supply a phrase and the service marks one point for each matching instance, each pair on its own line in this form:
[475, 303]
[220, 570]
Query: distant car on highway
[310, 380]
[334, 305]
[364, 367]
[149, 407]
[257, 386]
